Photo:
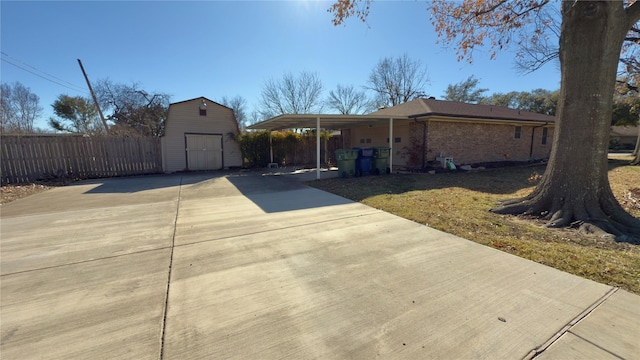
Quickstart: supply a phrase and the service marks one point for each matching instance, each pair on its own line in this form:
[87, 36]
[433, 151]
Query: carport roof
[329, 122]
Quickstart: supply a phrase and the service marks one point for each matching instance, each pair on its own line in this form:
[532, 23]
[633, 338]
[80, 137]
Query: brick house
[623, 137]
[468, 133]
[426, 131]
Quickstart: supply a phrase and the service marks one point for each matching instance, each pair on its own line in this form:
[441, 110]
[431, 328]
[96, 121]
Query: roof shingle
[420, 108]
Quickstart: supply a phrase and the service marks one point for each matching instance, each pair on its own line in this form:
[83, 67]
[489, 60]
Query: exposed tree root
[602, 220]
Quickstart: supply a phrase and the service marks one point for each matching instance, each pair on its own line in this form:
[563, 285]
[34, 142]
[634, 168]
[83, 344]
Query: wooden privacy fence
[28, 158]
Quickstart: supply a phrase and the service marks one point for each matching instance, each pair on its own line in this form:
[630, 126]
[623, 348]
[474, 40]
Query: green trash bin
[346, 162]
[381, 160]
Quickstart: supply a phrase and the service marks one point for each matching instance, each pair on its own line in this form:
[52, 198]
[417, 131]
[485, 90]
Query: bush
[289, 148]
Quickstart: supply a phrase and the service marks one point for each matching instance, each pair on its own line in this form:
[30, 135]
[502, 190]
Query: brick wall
[467, 143]
[475, 143]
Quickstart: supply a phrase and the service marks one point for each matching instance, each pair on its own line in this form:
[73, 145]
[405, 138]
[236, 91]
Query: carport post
[390, 145]
[270, 147]
[318, 148]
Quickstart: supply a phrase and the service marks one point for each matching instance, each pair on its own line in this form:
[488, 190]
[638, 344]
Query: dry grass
[9, 193]
[458, 203]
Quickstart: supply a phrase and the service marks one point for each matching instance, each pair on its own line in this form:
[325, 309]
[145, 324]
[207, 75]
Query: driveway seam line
[567, 328]
[278, 229]
[85, 261]
[166, 295]
[596, 345]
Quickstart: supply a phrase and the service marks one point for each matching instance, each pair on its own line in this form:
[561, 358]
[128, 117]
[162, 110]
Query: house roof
[422, 108]
[631, 131]
[416, 109]
[199, 98]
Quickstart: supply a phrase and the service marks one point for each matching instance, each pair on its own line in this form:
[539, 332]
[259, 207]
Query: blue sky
[228, 48]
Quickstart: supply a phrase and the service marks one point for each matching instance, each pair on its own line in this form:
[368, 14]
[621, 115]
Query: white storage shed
[200, 135]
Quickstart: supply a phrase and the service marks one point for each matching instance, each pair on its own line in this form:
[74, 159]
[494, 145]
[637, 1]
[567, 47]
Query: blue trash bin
[364, 160]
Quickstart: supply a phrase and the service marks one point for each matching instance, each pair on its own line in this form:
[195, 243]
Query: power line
[40, 71]
[46, 76]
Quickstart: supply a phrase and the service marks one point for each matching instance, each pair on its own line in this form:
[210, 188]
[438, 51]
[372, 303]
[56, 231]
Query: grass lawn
[458, 203]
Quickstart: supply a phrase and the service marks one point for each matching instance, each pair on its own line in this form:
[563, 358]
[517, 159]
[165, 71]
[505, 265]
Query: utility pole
[95, 99]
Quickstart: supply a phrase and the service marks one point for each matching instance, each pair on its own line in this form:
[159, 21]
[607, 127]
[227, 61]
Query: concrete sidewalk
[247, 266]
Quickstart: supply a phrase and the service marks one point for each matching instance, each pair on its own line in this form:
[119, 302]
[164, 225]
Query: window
[361, 141]
[203, 108]
[368, 141]
[545, 133]
[397, 140]
[517, 133]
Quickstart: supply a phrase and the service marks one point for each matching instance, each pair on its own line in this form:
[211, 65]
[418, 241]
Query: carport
[327, 122]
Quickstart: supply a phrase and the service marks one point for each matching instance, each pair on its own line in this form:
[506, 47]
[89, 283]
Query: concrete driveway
[246, 266]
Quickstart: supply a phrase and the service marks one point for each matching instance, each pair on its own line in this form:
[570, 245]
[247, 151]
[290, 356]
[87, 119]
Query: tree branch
[633, 14]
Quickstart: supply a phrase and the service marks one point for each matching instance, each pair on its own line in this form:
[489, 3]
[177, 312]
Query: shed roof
[199, 98]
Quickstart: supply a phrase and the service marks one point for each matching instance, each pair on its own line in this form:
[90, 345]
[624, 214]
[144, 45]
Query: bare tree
[239, 106]
[398, 80]
[133, 110]
[541, 48]
[19, 108]
[348, 100]
[256, 115]
[292, 95]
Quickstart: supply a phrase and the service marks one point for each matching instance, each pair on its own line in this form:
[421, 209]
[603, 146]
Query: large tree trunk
[575, 187]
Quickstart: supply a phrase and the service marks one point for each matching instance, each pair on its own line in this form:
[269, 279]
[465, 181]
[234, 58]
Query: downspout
[533, 131]
[270, 147]
[424, 144]
[326, 150]
[391, 145]
[318, 148]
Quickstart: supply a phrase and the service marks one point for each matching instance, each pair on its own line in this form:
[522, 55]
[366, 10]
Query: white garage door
[204, 152]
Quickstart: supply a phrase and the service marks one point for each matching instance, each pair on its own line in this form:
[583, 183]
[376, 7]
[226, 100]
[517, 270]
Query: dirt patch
[11, 193]
[631, 200]
[14, 192]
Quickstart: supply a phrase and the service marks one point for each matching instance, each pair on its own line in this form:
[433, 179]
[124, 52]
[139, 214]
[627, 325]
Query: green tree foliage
[626, 112]
[289, 147]
[76, 114]
[466, 91]
[626, 98]
[255, 148]
[539, 100]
